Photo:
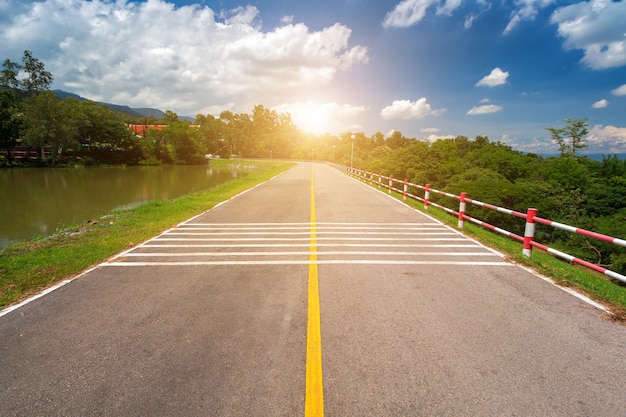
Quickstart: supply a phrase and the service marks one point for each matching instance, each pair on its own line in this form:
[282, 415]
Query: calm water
[37, 201]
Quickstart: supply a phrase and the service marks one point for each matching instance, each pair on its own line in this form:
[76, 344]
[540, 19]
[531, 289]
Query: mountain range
[134, 112]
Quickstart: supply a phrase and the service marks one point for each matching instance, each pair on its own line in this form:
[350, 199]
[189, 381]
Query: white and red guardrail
[530, 217]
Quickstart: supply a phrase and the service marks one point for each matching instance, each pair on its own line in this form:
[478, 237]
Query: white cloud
[429, 130]
[495, 78]
[406, 110]
[435, 138]
[600, 104]
[448, 7]
[488, 108]
[596, 27]
[619, 91]
[186, 59]
[409, 12]
[319, 118]
[610, 139]
[469, 20]
[526, 10]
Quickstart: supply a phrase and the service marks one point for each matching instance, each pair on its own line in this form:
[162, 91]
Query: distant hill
[593, 156]
[130, 111]
[599, 156]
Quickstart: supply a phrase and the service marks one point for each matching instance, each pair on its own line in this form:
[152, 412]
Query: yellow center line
[314, 396]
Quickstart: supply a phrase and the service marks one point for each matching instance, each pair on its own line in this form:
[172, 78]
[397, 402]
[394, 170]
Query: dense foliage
[569, 189]
[577, 191]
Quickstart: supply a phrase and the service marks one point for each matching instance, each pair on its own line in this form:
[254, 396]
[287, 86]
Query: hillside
[130, 111]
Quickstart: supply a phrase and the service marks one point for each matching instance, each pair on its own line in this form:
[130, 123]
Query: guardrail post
[406, 189]
[380, 180]
[426, 196]
[461, 211]
[529, 232]
[390, 183]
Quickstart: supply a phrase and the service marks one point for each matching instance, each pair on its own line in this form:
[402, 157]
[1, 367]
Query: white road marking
[307, 262]
[278, 239]
[306, 245]
[236, 239]
[296, 253]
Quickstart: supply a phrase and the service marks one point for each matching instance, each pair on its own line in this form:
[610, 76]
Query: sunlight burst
[311, 118]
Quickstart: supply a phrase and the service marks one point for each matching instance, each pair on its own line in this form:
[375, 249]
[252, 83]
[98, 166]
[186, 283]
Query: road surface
[311, 294]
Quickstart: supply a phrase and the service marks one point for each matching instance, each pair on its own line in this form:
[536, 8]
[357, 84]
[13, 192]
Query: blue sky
[427, 68]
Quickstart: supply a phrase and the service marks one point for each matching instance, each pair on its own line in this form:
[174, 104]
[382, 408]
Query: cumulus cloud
[596, 27]
[619, 91]
[610, 139]
[187, 59]
[487, 108]
[408, 12]
[407, 110]
[495, 78]
[600, 104]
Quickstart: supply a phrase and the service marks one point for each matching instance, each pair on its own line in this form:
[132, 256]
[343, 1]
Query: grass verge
[29, 267]
[594, 285]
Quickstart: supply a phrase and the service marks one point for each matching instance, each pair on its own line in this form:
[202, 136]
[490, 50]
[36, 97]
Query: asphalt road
[210, 319]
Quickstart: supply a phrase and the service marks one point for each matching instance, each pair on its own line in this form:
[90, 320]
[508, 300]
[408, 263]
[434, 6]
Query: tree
[8, 75]
[571, 137]
[103, 136]
[51, 123]
[9, 125]
[38, 79]
[14, 92]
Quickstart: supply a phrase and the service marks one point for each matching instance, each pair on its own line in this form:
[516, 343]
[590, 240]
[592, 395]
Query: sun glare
[312, 118]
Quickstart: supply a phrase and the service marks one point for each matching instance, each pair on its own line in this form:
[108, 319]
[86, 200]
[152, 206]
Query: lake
[38, 201]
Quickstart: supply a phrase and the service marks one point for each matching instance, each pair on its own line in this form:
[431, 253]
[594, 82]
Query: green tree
[38, 79]
[9, 125]
[571, 137]
[14, 92]
[51, 123]
[211, 131]
[8, 75]
[104, 137]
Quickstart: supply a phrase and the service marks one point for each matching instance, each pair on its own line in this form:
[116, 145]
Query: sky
[429, 69]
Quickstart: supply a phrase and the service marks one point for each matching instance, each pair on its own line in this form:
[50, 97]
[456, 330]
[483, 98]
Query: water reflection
[38, 201]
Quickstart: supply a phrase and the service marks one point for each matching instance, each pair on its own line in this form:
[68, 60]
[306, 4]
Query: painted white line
[307, 245]
[308, 262]
[285, 239]
[309, 224]
[295, 253]
[264, 228]
[44, 292]
[177, 232]
[34, 297]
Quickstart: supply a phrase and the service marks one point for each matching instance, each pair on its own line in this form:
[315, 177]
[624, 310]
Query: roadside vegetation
[29, 267]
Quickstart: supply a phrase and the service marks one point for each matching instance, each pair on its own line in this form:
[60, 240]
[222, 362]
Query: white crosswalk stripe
[294, 243]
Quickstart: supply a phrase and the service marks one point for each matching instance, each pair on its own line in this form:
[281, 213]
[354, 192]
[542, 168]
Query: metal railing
[528, 240]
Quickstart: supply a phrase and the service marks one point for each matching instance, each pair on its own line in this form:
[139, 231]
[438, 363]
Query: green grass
[596, 286]
[29, 267]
